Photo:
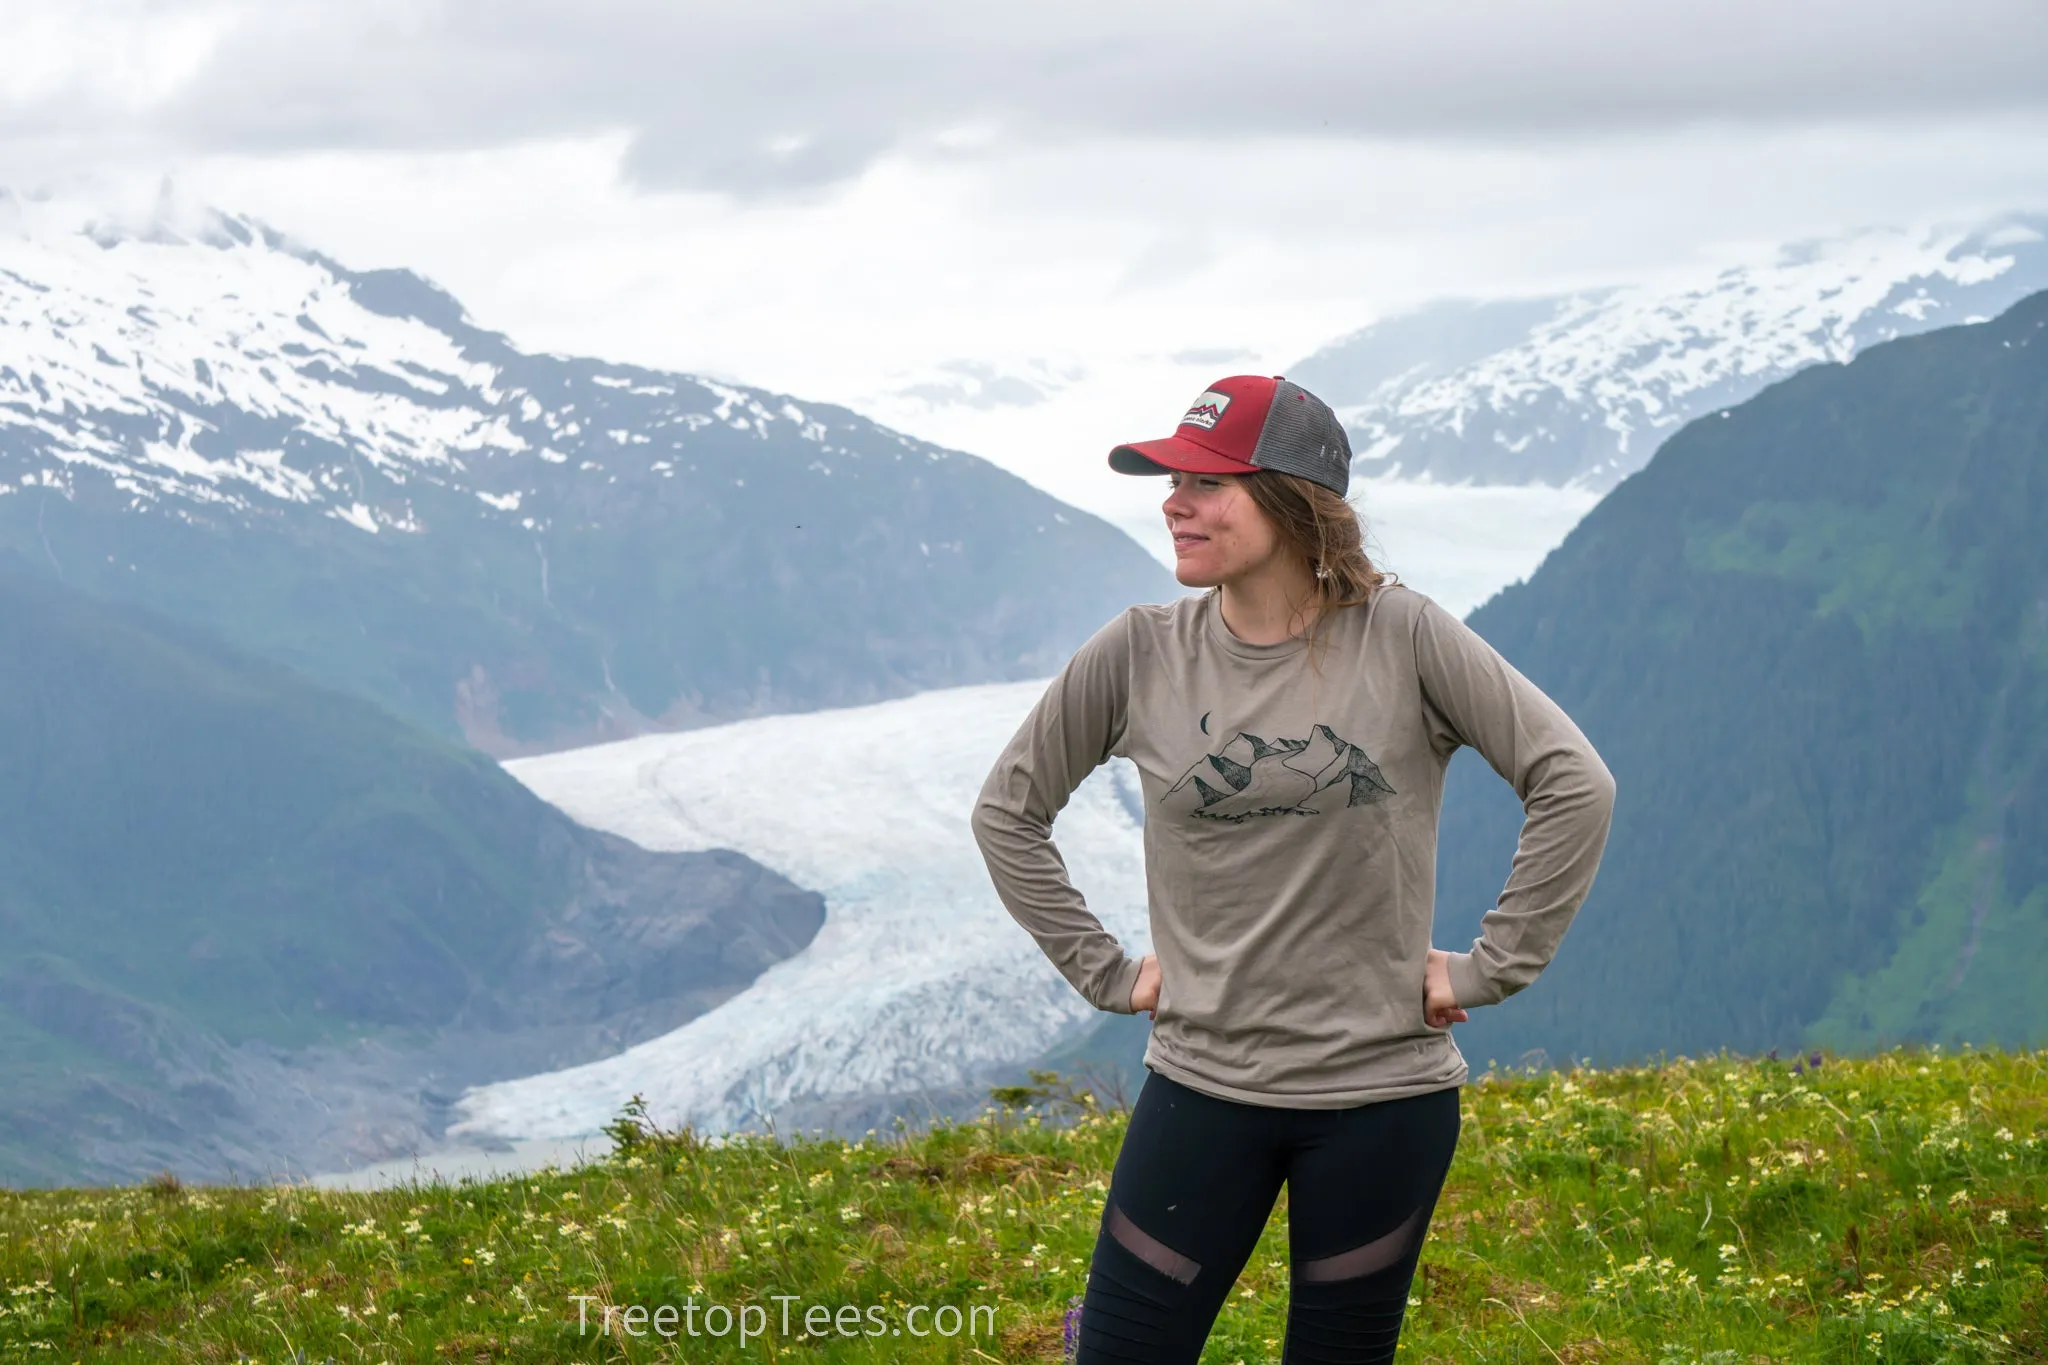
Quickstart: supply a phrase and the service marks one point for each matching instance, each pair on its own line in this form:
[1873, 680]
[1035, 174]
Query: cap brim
[1174, 452]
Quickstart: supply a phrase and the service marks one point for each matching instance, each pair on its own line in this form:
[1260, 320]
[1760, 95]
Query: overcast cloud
[1029, 230]
[764, 98]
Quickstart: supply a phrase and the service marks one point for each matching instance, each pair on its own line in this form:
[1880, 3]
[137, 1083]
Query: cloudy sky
[1028, 230]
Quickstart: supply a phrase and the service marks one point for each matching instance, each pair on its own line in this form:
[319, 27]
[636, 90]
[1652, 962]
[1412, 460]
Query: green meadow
[1711, 1211]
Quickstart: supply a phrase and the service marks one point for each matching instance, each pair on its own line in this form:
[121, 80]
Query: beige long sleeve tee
[1290, 839]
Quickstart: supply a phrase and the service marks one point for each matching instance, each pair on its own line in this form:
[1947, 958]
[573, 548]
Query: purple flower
[1070, 1332]
[1814, 1061]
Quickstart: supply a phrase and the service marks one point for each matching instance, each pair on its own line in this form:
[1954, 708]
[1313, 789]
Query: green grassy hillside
[1709, 1212]
[1810, 638]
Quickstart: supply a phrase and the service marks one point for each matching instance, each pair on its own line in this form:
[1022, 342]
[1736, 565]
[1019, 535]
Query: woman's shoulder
[1181, 613]
[1393, 605]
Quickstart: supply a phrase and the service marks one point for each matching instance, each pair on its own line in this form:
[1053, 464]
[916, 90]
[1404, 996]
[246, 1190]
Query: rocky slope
[1581, 389]
[339, 470]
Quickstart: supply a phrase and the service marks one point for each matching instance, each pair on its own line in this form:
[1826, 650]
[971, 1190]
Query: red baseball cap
[1244, 424]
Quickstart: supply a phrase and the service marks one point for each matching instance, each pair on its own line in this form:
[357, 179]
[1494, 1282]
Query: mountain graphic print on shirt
[1251, 777]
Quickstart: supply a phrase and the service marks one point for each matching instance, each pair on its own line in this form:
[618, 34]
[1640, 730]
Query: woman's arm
[1076, 726]
[1471, 695]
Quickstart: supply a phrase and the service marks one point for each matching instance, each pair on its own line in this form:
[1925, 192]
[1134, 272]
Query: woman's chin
[1191, 573]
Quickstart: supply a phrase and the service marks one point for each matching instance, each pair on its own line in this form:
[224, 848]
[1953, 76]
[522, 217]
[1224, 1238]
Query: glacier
[919, 981]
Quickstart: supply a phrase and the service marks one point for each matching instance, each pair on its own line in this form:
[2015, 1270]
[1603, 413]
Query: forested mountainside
[1810, 638]
[253, 923]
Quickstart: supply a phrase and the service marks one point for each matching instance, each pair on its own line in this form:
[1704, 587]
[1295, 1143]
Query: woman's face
[1219, 533]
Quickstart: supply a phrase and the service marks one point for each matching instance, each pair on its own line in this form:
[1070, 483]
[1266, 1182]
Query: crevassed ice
[919, 978]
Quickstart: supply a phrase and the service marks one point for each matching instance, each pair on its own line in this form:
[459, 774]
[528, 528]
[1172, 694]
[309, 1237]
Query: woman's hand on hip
[1145, 994]
[1439, 1003]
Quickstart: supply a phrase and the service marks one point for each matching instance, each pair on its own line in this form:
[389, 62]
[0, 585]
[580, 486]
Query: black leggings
[1194, 1183]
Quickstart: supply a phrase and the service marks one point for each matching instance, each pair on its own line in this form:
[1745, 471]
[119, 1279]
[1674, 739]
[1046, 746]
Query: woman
[1291, 728]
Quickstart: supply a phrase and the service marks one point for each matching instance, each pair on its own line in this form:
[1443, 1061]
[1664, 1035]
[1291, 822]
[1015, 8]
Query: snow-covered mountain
[340, 470]
[1580, 390]
[919, 981]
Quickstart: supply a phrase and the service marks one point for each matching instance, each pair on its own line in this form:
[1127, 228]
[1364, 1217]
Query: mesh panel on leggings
[1302, 436]
[1150, 1249]
[1369, 1259]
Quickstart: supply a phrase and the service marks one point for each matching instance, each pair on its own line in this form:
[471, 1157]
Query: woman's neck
[1271, 604]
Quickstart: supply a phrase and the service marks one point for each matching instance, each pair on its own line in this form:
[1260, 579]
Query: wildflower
[849, 1213]
[2000, 1217]
[1959, 1197]
[1070, 1329]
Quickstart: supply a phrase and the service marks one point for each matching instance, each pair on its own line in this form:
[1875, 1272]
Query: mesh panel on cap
[1302, 436]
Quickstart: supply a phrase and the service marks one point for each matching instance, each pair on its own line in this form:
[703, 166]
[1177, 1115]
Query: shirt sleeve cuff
[1122, 984]
[1469, 984]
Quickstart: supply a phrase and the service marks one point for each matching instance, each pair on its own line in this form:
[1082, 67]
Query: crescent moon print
[1250, 777]
[1205, 722]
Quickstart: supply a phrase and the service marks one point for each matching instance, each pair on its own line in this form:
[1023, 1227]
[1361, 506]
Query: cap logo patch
[1208, 409]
